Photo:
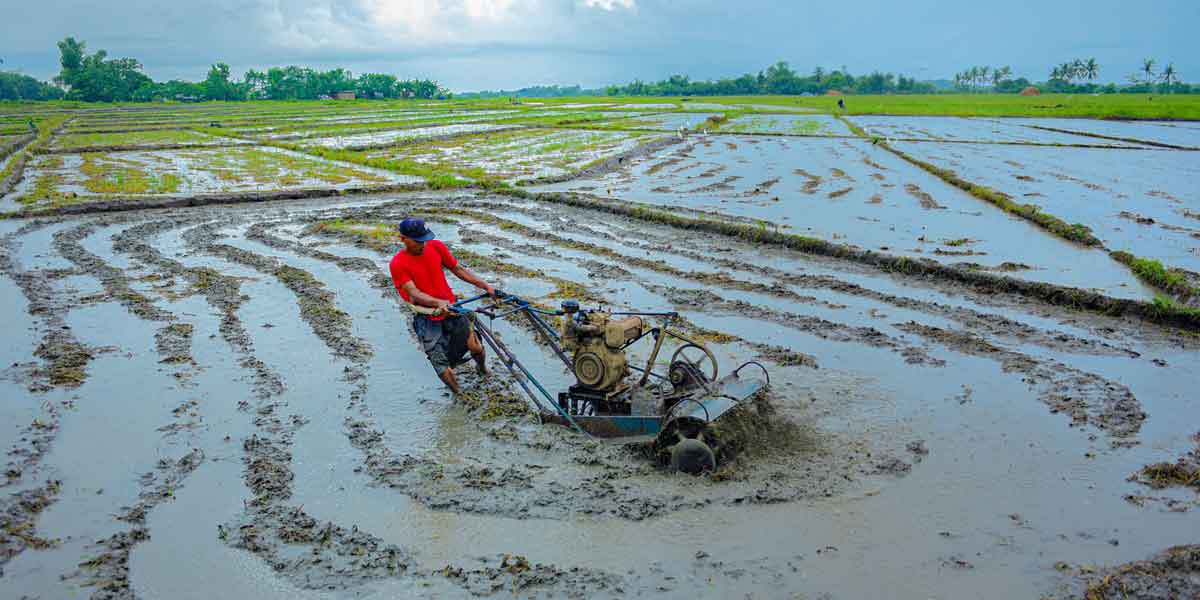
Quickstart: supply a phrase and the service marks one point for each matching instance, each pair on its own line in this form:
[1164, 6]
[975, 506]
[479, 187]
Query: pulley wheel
[699, 357]
[693, 457]
[589, 369]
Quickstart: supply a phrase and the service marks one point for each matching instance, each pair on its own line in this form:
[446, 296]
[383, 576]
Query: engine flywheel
[589, 369]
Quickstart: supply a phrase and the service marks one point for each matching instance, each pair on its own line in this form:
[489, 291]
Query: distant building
[344, 95]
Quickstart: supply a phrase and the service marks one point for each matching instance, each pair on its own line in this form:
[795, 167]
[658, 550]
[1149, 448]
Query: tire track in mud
[384, 467]
[777, 354]
[64, 364]
[1087, 398]
[1053, 294]
[626, 486]
[710, 302]
[838, 331]
[108, 571]
[990, 324]
[347, 557]
[222, 292]
[1118, 413]
[821, 327]
[311, 554]
[115, 281]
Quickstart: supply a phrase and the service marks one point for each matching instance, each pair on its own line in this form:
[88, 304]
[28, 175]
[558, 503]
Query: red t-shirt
[425, 271]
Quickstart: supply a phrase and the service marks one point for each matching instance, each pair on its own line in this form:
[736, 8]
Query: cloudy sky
[489, 44]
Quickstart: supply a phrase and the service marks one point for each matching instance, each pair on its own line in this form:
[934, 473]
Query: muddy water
[1142, 202]
[20, 407]
[1152, 131]
[994, 491]
[665, 121]
[416, 133]
[787, 124]
[969, 129]
[527, 155]
[851, 192]
[848, 533]
[100, 481]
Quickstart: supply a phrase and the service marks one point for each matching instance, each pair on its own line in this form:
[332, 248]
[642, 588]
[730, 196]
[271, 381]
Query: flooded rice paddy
[227, 399]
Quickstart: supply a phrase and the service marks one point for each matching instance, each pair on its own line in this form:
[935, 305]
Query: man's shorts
[444, 341]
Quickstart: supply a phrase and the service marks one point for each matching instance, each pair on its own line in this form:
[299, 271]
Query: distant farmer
[417, 274]
[842, 103]
[32, 126]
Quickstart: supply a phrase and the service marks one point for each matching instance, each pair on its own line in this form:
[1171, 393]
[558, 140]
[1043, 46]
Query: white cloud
[390, 25]
[608, 4]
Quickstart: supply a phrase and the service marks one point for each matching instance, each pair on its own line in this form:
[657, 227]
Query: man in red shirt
[417, 274]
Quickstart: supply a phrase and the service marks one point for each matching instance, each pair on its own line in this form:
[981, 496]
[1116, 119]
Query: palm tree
[1169, 75]
[1091, 69]
[1000, 75]
[1148, 69]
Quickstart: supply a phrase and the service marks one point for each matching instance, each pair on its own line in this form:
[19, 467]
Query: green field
[1124, 106]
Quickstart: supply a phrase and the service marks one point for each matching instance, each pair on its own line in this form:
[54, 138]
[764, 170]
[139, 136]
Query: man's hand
[491, 291]
[442, 308]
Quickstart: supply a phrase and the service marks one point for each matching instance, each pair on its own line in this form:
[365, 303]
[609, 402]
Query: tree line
[779, 78]
[95, 77]
[1076, 76]
[15, 86]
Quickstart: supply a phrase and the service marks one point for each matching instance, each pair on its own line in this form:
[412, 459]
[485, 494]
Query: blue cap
[415, 229]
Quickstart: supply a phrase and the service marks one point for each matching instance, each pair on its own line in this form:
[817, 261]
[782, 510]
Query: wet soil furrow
[222, 292]
[115, 282]
[64, 363]
[18, 519]
[16, 145]
[341, 557]
[565, 288]
[16, 168]
[609, 164]
[64, 358]
[312, 554]
[259, 233]
[1110, 137]
[138, 203]
[706, 301]
[316, 303]
[107, 572]
[140, 147]
[1087, 398]
[984, 283]
[990, 324]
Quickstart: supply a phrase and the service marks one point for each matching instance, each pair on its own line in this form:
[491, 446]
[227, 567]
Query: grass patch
[1153, 272]
[136, 138]
[435, 177]
[1105, 106]
[111, 175]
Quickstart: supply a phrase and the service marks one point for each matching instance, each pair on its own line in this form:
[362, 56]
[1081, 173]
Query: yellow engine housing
[596, 344]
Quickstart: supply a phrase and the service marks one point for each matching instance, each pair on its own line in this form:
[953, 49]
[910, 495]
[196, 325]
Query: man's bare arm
[421, 298]
[469, 276]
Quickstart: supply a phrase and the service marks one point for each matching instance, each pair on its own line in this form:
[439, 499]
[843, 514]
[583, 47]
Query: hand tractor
[679, 408]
